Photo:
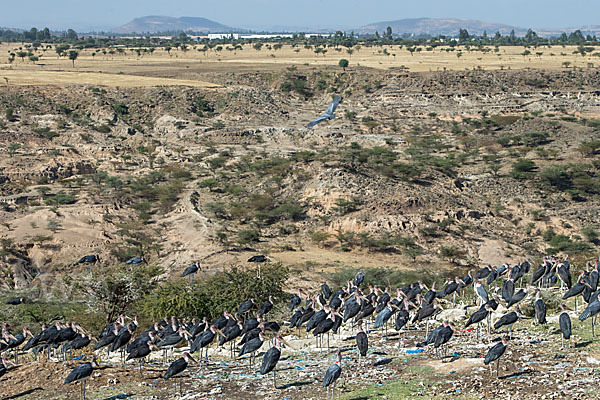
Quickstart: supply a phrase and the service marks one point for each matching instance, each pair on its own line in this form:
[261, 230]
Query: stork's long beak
[80, 329]
[193, 359]
[94, 339]
[395, 306]
[29, 333]
[12, 337]
[220, 332]
[286, 343]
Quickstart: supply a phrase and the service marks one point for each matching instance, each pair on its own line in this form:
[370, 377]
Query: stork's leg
[426, 328]
[386, 334]
[497, 366]
[274, 379]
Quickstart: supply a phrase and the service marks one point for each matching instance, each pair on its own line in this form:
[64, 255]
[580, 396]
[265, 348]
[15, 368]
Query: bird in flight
[329, 114]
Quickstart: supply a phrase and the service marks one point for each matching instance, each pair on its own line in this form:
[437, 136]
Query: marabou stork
[258, 259]
[245, 307]
[481, 293]
[443, 336]
[508, 320]
[81, 373]
[362, 342]
[204, 340]
[251, 346]
[564, 322]
[178, 366]
[190, 272]
[270, 359]
[477, 317]
[140, 351]
[591, 311]
[323, 328]
[90, 260]
[359, 278]
[332, 375]
[495, 353]
[295, 300]
[266, 306]
[326, 290]
[482, 273]
[540, 308]
[135, 261]
[508, 290]
[518, 297]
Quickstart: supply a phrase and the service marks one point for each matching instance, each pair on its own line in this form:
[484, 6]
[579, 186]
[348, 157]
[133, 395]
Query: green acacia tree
[73, 54]
[343, 64]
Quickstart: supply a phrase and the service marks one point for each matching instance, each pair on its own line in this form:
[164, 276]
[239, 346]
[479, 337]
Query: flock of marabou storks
[322, 313]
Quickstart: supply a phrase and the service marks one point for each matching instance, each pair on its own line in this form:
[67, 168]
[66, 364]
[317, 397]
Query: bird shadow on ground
[121, 396]
[286, 369]
[516, 374]
[359, 398]
[583, 344]
[294, 384]
[25, 393]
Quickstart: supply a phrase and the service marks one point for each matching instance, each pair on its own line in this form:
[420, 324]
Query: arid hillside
[435, 170]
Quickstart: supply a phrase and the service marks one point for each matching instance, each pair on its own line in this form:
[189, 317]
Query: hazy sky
[84, 15]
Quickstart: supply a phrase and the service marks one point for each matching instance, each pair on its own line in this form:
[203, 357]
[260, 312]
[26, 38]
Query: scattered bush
[564, 244]
[117, 289]
[522, 169]
[212, 296]
[248, 236]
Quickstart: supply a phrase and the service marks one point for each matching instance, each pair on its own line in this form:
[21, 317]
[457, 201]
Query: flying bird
[329, 114]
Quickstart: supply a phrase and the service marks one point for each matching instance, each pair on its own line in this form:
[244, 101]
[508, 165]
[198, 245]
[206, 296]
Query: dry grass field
[127, 69]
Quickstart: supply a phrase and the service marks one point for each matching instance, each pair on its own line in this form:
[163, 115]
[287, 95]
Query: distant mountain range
[415, 26]
[157, 23]
[439, 26]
